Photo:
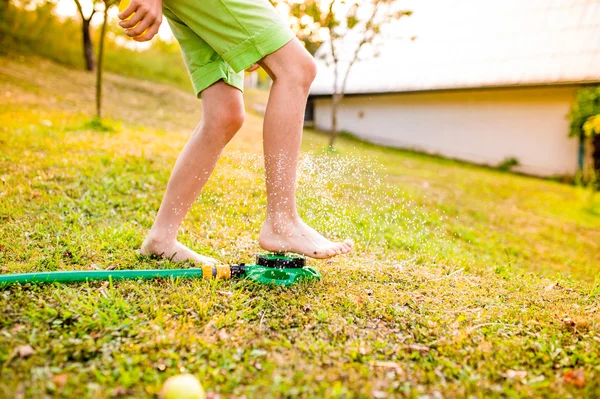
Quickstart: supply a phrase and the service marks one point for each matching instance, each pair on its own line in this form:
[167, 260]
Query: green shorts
[221, 38]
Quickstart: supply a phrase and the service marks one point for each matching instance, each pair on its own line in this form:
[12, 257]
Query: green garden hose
[270, 269]
[81, 276]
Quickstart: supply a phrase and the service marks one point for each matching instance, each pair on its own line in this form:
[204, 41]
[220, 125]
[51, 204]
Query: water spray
[278, 269]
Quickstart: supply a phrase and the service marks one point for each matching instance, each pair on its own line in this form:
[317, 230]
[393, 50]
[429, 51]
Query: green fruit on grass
[182, 386]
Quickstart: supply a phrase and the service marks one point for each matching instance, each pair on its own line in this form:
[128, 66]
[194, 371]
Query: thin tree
[88, 47]
[107, 5]
[359, 27]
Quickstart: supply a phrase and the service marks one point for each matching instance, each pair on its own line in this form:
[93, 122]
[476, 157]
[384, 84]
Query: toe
[338, 249]
[349, 245]
[205, 260]
[211, 261]
[329, 252]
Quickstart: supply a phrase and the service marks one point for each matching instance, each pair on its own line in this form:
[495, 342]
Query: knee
[232, 119]
[303, 73]
[309, 72]
[225, 124]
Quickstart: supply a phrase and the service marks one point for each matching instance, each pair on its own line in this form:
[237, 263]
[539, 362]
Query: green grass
[465, 281]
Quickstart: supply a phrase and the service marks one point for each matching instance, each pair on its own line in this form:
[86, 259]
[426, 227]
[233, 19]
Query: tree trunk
[99, 67]
[595, 143]
[88, 48]
[4, 16]
[335, 100]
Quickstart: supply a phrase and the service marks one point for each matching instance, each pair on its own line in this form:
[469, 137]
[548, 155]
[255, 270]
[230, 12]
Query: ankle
[156, 236]
[280, 223]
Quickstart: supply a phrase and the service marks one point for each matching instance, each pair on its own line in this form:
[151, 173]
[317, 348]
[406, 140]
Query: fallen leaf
[227, 294]
[552, 286]
[118, 391]
[17, 328]
[222, 335]
[485, 346]
[360, 299]
[398, 265]
[93, 266]
[25, 351]
[419, 298]
[111, 267]
[60, 379]
[516, 374]
[569, 322]
[575, 377]
[387, 365]
[418, 348]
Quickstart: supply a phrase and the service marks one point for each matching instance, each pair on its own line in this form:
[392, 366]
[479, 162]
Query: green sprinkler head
[280, 269]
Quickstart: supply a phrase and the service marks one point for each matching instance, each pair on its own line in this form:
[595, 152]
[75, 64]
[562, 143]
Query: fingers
[131, 8]
[130, 23]
[149, 34]
[253, 68]
[141, 19]
[139, 29]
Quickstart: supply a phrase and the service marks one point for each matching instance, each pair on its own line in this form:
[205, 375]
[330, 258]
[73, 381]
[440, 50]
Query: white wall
[480, 126]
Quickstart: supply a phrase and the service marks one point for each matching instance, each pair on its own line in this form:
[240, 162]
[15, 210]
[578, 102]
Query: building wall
[480, 126]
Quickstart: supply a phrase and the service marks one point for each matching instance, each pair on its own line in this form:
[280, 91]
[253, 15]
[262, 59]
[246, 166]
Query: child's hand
[146, 17]
[253, 68]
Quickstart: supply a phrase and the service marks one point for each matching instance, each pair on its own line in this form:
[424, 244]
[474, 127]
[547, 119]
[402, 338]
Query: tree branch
[366, 39]
[80, 9]
[330, 16]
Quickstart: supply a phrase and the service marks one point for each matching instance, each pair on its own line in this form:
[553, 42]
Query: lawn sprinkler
[278, 269]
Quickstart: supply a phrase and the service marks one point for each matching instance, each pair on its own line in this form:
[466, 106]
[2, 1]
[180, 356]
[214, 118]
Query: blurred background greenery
[35, 27]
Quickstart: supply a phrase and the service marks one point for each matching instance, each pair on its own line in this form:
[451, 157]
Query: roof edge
[489, 87]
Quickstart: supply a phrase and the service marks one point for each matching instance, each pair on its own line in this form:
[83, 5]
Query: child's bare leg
[292, 69]
[222, 117]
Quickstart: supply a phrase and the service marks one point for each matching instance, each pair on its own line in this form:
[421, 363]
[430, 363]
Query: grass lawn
[465, 281]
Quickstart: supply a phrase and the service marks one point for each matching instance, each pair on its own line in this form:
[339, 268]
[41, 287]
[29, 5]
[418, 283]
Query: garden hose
[269, 269]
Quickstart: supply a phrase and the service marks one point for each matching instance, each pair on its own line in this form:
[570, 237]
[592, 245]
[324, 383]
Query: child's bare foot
[173, 250]
[297, 237]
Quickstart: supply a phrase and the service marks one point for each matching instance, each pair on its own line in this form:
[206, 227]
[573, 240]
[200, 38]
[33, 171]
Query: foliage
[443, 296]
[591, 127]
[351, 28]
[508, 164]
[586, 105]
[38, 31]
